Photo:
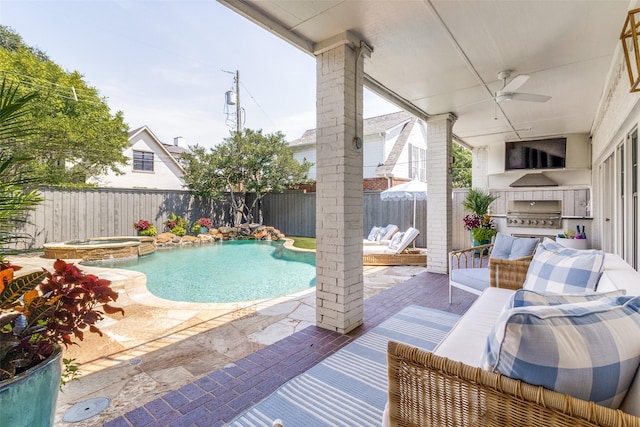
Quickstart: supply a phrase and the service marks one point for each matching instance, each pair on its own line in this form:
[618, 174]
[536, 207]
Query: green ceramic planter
[29, 399]
[476, 243]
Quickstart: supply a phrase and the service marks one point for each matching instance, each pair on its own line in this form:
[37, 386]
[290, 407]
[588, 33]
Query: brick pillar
[339, 205]
[439, 211]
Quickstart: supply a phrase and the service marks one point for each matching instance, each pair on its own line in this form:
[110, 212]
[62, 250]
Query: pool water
[220, 272]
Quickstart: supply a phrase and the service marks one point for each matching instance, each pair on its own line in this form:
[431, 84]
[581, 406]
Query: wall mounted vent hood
[534, 180]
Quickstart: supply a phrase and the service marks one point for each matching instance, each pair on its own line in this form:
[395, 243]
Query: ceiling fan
[508, 91]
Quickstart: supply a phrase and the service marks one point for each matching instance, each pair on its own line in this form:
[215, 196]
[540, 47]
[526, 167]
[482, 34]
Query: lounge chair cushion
[476, 278]
[526, 298]
[582, 349]
[374, 234]
[557, 269]
[387, 232]
[395, 241]
[508, 247]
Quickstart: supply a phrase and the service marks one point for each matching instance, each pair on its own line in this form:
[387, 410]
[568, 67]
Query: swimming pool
[221, 272]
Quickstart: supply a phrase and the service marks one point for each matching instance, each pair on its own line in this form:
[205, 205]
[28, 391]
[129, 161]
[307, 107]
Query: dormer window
[142, 161]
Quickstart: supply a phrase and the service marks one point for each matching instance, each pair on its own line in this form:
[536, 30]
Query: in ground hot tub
[101, 248]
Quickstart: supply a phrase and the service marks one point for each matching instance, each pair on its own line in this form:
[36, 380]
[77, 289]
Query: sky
[167, 64]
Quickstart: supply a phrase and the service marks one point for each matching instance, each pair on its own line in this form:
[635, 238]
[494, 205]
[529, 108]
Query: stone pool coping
[120, 248]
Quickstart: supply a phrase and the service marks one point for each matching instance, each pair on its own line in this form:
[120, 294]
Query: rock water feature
[243, 232]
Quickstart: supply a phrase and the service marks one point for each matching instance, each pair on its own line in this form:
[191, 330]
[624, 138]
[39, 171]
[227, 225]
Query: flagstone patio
[162, 352]
[160, 346]
[217, 397]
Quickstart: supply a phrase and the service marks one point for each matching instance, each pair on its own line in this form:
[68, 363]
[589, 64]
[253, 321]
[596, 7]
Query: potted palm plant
[479, 223]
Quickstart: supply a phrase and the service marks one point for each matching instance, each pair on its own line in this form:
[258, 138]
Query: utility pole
[238, 109]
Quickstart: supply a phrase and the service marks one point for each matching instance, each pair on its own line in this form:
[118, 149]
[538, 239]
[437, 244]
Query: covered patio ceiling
[439, 56]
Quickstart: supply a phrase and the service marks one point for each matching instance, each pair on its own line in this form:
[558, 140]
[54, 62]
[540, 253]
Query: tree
[74, 136]
[461, 171]
[248, 161]
[17, 196]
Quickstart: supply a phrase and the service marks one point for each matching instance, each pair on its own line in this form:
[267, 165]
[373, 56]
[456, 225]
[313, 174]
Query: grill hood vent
[534, 180]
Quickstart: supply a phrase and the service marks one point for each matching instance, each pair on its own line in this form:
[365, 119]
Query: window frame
[143, 161]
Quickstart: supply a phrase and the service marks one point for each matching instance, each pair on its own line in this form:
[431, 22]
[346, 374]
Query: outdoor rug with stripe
[349, 388]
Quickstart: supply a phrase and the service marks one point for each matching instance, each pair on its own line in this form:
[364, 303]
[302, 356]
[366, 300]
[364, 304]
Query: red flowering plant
[202, 222]
[471, 221]
[482, 227]
[145, 228]
[479, 222]
[176, 224]
[38, 315]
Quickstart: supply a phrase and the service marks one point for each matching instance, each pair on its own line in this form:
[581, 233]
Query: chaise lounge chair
[395, 253]
[381, 235]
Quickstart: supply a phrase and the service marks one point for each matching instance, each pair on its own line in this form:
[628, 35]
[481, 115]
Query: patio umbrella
[413, 190]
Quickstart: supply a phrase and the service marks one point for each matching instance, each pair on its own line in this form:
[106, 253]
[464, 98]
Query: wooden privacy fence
[294, 213]
[102, 212]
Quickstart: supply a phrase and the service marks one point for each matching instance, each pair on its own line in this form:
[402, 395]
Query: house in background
[151, 164]
[394, 150]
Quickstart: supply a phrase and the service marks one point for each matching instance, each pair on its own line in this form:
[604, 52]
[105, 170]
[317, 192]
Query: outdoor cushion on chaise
[395, 253]
[502, 264]
[381, 235]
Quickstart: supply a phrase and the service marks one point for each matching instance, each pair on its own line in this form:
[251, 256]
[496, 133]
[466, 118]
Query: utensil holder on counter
[573, 243]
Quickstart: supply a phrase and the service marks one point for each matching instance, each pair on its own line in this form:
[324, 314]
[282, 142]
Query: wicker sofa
[447, 387]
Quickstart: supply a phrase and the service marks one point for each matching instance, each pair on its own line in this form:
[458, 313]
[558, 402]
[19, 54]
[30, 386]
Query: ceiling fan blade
[514, 84]
[529, 97]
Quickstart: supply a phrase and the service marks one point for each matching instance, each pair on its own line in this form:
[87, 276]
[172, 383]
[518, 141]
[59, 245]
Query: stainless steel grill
[534, 213]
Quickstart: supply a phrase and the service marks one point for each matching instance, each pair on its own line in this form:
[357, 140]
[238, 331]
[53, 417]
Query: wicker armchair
[429, 390]
[464, 260]
[475, 257]
[508, 273]
[502, 273]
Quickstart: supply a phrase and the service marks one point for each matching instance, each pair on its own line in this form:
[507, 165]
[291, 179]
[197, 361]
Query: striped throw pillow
[561, 270]
[589, 350]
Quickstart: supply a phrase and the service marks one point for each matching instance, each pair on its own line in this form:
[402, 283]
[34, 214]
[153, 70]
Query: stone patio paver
[160, 346]
[236, 387]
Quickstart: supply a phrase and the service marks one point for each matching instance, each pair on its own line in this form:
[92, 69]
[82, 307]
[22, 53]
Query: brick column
[339, 205]
[439, 211]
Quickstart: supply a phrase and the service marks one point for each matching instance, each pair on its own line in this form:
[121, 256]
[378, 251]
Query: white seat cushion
[475, 278]
[467, 340]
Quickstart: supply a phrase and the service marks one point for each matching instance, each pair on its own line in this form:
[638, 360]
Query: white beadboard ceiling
[442, 56]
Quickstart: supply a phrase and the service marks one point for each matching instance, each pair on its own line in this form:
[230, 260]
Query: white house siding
[308, 153]
[401, 169]
[374, 149]
[378, 149]
[417, 138]
[166, 174]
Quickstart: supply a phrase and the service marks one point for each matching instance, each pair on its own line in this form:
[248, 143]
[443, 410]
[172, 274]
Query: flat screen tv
[536, 154]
